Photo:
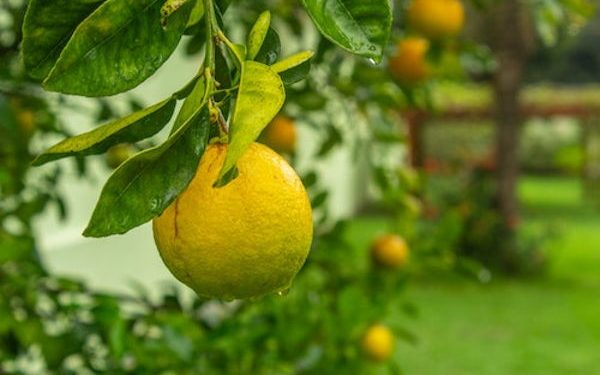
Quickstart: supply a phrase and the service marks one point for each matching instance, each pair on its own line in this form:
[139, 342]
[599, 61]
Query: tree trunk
[509, 39]
[416, 119]
[508, 120]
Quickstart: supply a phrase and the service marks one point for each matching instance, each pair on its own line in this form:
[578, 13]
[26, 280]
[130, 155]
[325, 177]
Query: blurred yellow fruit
[26, 120]
[118, 154]
[246, 239]
[409, 64]
[436, 19]
[280, 135]
[390, 251]
[378, 343]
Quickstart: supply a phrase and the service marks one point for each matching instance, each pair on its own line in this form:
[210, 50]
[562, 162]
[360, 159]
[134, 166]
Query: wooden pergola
[566, 103]
[417, 120]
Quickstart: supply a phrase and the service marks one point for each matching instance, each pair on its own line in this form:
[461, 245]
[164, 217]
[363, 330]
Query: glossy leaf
[240, 52]
[116, 48]
[145, 185]
[359, 26]
[195, 43]
[296, 74]
[195, 23]
[223, 78]
[227, 178]
[258, 34]
[129, 129]
[186, 90]
[270, 49]
[292, 61]
[47, 28]
[170, 7]
[260, 97]
[222, 5]
[191, 104]
[294, 68]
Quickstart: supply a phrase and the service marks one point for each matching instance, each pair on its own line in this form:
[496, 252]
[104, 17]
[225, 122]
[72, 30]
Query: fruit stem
[222, 37]
[227, 92]
[211, 39]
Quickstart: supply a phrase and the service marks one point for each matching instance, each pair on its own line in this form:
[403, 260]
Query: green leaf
[309, 100]
[116, 48]
[319, 199]
[223, 77]
[196, 17]
[190, 105]
[227, 178]
[195, 43]
[170, 7]
[47, 27]
[258, 34]
[361, 27]
[186, 90]
[296, 74]
[145, 185]
[196, 23]
[222, 5]
[129, 129]
[334, 138]
[294, 68]
[292, 61]
[240, 51]
[310, 179]
[270, 49]
[260, 97]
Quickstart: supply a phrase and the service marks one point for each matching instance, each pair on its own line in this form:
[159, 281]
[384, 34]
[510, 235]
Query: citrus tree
[101, 48]
[231, 218]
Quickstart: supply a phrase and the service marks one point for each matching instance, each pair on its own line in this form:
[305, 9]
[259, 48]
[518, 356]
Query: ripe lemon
[409, 63]
[378, 343]
[436, 19]
[280, 135]
[246, 239]
[390, 251]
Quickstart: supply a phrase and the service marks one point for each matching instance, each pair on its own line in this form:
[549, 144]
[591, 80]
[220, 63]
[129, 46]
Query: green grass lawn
[522, 327]
[559, 202]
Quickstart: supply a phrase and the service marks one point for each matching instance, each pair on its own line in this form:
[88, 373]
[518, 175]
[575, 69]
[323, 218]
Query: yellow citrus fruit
[378, 343]
[26, 120]
[390, 251]
[246, 239]
[409, 63]
[118, 154]
[280, 135]
[436, 19]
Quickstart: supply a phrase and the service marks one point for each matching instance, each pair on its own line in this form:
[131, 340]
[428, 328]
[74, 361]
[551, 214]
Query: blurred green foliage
[462, 229]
